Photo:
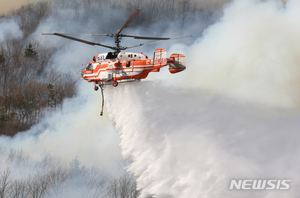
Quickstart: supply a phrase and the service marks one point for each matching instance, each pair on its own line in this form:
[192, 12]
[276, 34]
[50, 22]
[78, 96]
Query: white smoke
[251, 54]
[9, 29]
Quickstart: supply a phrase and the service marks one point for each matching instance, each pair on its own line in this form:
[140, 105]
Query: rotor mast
[118, 36]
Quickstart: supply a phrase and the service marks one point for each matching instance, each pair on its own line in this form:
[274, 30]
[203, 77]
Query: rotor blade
[157, 42]
[129, 21]
[87, 34]
[76, 39]
[145, 37]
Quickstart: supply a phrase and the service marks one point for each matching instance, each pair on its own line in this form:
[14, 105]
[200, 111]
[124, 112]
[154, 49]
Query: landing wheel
[115, 83]
[96, 88]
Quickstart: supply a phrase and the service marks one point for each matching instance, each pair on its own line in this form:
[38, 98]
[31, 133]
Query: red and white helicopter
[118, 66]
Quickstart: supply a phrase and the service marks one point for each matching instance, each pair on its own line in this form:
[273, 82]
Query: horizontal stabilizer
[176, 63]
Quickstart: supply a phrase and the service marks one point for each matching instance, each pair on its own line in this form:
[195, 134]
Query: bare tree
[37, 186]
[96, 183]
[5, 183]
[31, 14]
[57, 178]
[123, 187]
[18, 189]
[18, 157]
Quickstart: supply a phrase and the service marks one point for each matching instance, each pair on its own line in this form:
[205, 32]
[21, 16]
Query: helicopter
[118, 66]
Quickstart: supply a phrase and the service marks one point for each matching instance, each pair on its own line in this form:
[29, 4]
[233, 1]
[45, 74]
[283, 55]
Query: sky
[6, 6]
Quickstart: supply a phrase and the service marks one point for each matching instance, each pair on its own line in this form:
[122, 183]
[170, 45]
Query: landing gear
[115, 83]
[96, 88]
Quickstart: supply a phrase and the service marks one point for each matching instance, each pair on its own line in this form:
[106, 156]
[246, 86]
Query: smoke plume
[251, 53]
[9, 29]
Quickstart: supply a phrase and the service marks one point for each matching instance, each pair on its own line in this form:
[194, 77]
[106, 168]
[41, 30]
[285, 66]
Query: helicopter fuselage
[111, 68]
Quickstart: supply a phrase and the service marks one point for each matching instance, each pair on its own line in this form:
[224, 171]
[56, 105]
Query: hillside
[31, 86]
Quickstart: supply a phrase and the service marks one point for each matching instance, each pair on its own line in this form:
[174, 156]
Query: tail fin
[160, 58]
[176, 63]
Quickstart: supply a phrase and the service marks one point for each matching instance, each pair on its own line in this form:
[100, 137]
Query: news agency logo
[271, 184]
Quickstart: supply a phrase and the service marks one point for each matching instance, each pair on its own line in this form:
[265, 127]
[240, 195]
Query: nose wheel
[115, 83]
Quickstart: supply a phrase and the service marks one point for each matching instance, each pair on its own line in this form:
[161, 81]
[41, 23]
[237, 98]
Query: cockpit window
[89, 67]
[112, 55]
